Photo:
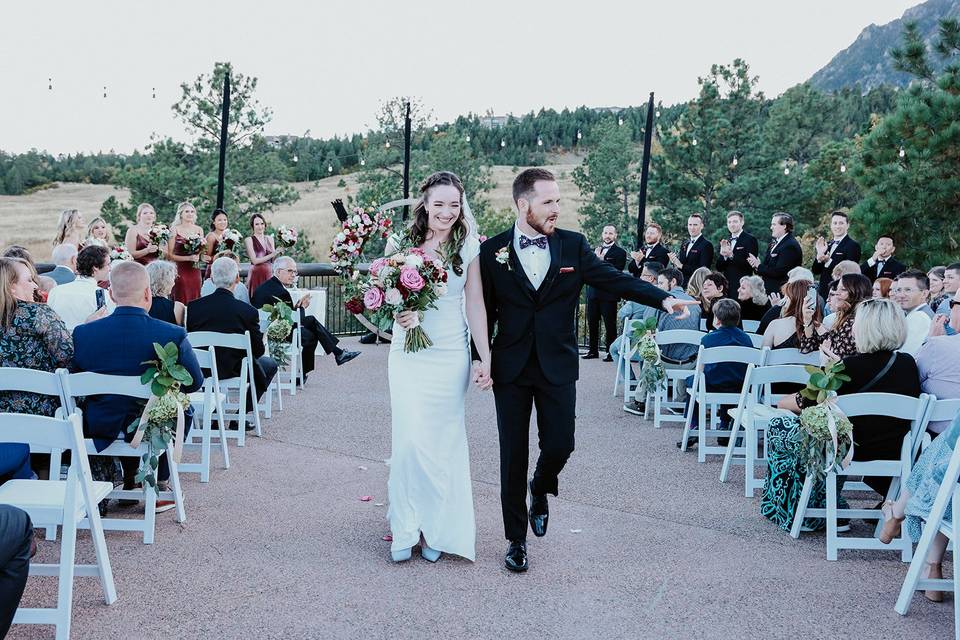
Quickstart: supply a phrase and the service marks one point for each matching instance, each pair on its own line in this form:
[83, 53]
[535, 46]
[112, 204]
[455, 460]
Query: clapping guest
[601, 304]
[162, 276]
[696, 252]
[261, 252]
[910, 291]
[937, 294]
[82, 300]
[187, 285]
[99, 232]
[64, 256]
[837, 341]
[881, 287]
[651, 251]
[732, 261]
[882, 264]
[829, 254]
[70, 228]
[783, 254]
[138, 241]
[239, 292]
[951, 284]
[753, 298]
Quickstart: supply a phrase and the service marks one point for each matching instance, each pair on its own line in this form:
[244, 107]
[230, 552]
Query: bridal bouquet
[287, 236]
[119, 253]
[355, 230]
[278, 331]
[229, 239]
[160, 236]
[826, 434]
[406, 281]
[642, 338]
[192, 245]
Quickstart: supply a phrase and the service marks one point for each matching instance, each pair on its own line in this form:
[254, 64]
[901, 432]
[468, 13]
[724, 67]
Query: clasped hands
[480, 374]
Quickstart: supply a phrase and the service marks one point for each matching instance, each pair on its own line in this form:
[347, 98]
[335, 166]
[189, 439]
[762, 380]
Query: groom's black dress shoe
[590, 356]
[516, 558]
[539, 513]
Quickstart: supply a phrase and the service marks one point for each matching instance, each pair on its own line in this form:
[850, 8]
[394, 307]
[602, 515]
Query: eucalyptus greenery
[652, 373]
[278, 331]
[816, 439]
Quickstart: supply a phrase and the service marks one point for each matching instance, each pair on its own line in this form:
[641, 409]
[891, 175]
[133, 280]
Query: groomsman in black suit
[734, 252]
[694, 253]
[783, 254]
[882, 264]
[830, 254]
[651, 251]
[601, 303]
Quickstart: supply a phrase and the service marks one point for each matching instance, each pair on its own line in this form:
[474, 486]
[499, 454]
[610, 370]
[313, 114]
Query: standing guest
[785, 331]
[239, 292]
[836, 341]
[734, 251]
[138, 242]
[162, 276]
[714, 288]
[829, 254]
[694, 253]
[261, 253]
[218, 224]
[98, 232]
[937, 362]
[70, 228]
[187, 286]
[65, 257]
[951, 284]
[16, 548]
[603, 304]
[753, 298]
[82, 300]
[311, 331]
[937, 294]
[652, 250]
[882, 264]
[881, 287]
[783, 254]
[910, 291]
[695, 282]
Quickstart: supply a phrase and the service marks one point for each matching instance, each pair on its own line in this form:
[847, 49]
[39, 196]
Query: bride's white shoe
[429, 554]
[401, 555]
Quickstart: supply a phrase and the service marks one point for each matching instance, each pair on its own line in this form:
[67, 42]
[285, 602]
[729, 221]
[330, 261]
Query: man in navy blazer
[119, 344]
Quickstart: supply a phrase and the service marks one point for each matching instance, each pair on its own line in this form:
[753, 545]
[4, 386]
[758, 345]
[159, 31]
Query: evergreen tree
[607, 179]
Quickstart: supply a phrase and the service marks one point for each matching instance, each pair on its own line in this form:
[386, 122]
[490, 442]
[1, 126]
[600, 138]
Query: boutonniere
[503, 257]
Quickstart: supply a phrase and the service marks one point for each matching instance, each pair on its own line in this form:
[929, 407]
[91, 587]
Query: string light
[786, 171]
[503, 143]
[329, 168]
[49, 84]
[104, 92]
[539, 141]
[363, 162]
[296, 158]
[902, 151]
[735, 161]
[579, 135]
[620, 122]
[436, 129]
[154, 93]
[694, 143]
[387, 145]
[468, 137]
[657, 113]
[843, 168]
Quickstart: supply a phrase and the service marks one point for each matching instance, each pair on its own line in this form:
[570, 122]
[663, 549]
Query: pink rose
[373, 298]
[376, 265]
[411, 279]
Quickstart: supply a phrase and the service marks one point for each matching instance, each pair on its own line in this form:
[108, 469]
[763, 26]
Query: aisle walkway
[643, 543]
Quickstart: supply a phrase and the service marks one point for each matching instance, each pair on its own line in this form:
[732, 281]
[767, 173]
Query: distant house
[607, 109]
[493, 122]
[280, 141]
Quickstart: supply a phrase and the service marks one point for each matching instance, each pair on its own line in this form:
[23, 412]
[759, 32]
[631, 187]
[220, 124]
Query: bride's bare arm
[477, 311]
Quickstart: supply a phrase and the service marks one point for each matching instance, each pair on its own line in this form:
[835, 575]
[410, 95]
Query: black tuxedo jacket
[270, 291]
[891, 269]
[223, 313]
[617, 257]
[848, 249]
[700, 255]
[737, 266]
[657, 253]
[544, 319]
[777, 263]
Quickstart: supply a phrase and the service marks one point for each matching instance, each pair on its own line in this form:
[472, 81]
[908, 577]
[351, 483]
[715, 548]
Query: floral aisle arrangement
[643, 339]
[192, 246]
[826, 432]
[286, 236]
[163, 418]
[278, 331]
[355, 230]
[160, 236]
[229, 240]
[119, 253]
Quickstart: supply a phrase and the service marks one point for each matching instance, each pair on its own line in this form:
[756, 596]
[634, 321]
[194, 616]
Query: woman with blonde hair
[753, 298]
[99, 232]
[137, 240]
[70, 228]
[184, 230]
[163, 275]
[696, 282]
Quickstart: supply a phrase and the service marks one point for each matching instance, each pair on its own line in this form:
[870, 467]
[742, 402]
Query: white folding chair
[756, 407]
[703, 325]
[791, 356]
[751, 326]
[868, 404]
[235, 410]
[700, 397]
[83, 385]
[623, 364]
[66, 503]
[757, 340]
[205, 402]
[289, 376]
[665, 398]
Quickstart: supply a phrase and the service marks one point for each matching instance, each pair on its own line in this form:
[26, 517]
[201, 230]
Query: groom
[532, 275]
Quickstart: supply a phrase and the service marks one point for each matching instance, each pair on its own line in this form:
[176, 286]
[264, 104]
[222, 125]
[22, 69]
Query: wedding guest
[732, 262]
[841, 247]
[99, 232]
[218, 224]
[910, 291]
[21, 253]
[714, 288]
[753, 298]
[696, 252]
[630, 310]
[601, 304]
[312, 332]
[937, 294]
[162, 276]
[183, 230]
[951, 284]
[695, 282]
[82, 300]
[783, 254]
[837, 341]
[17, 546]
[882, 264]
[106, 417]
[881, 287]
[879, 330]
[64, 256]
[222, 313]
[70, 228]
[937, 362]
[785, 331]
[137, 240]
[261, 252]
[239, 292]
[46, 284]
[651, 251]
[842, 268]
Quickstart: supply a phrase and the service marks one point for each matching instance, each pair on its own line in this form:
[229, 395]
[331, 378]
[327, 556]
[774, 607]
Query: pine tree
[608, 178]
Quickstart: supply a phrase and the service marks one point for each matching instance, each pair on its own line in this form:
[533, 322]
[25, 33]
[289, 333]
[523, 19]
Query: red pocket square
[566, 269]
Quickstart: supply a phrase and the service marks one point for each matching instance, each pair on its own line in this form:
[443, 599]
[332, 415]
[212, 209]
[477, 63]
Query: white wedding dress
[429, 487]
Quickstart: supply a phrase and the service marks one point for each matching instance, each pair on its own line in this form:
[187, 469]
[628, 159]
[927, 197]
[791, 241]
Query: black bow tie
[530, 242]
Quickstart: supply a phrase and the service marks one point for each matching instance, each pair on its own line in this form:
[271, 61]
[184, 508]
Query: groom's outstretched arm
[602, 275]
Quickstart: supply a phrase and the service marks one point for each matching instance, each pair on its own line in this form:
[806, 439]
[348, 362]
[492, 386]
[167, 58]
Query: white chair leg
[68, 555]
[750, 457]
[832, 541]
[728, 456]
[801, 507]
[149, 513]
[175, 487]
[702, 433]
[103, 558]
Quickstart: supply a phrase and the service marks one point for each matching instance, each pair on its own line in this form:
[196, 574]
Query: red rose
[354, 305]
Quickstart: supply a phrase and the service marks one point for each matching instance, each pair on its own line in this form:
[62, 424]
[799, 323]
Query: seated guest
[937, 362]
[843, 268]
[120, 344]
[16, 548]
[831, 316]
[911, 293]
[696, 281]
[753, 298]
[240, 292]
[162, 275]
[312, 332]
[951, 285]
[65, 257]
[76, 302]
[881, 287]
[222, 313]
[879, 330]
[836, 341]
[937, 294]
[16, 251]
[801, 274]
[785, 331]
[714, 288]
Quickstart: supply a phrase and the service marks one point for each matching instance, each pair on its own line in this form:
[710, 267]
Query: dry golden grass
[30, 220]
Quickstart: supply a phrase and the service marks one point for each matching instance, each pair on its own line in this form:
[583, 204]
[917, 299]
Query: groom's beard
[538, 226]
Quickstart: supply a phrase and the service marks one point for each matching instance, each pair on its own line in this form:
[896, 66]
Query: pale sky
[325, 66]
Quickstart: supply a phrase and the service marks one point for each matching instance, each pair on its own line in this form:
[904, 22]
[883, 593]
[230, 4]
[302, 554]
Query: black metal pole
[645, 173]
[224, 124]
[406, 161]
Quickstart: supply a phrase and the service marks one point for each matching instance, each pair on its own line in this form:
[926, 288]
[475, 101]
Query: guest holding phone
[82, 300]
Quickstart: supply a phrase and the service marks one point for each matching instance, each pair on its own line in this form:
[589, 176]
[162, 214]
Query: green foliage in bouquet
[824, 380]
[652, 373]
[817, 439]
[278, 332]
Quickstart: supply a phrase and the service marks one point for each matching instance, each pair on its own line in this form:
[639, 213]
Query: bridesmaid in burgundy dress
[218, 224]
[261, 252]
[137, 239]
[187, 287]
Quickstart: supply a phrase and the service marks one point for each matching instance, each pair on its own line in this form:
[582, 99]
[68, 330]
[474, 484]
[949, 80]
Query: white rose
[413, 260]
[341, 237]
[441, 288]
[356, 219]
[393, 296]
[386, 272]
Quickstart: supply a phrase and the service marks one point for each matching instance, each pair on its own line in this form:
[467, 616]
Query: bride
[430, 493]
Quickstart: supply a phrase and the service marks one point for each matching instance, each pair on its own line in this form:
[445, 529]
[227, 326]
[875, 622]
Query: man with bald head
[119, 344]
[311, 332]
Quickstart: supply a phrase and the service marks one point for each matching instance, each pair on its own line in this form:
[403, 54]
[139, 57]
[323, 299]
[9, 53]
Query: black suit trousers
[16, 533]
[313, 333]
[556, 412]
[607, 311]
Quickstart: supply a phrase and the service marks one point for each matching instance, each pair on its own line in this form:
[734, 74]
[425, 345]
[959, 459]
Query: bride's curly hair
[420, 228]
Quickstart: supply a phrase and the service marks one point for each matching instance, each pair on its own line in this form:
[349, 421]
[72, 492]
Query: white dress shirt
[76, 301]
[692, 242]
[918, 326]
[535, 261]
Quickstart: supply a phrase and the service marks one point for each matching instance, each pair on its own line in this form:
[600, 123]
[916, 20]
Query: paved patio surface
[643, 543]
